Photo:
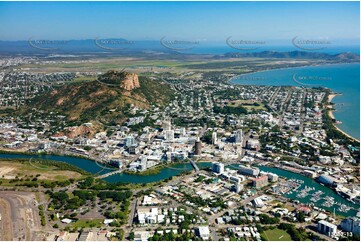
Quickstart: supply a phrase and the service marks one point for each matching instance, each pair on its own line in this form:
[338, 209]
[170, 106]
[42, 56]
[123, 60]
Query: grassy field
[141, 65]
[85, 223]
[106, 64]
[27, 169]
[276, 235]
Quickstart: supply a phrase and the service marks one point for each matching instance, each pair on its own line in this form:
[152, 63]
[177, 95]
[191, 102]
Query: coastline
[329, 99]
[283, 68]
[332, 116]
[330, 113]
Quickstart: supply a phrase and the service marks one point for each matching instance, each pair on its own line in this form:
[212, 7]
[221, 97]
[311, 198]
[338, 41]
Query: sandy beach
[331, 115]
[329, 99]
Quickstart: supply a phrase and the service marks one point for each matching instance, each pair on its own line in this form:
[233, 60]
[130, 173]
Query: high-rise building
[238, 187]
[214, 138]
[238, 136]
[167, 125]
[326, 228]
[182, 131]
[198, 147]
[250, 171]
[169, 135]
[351, 224]
[218, 167]
[130, 141]
[272, 177]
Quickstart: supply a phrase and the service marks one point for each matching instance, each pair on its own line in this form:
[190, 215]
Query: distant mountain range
[151, 48]
[346, 56]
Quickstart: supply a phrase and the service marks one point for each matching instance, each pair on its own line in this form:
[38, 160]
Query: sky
[208, 21]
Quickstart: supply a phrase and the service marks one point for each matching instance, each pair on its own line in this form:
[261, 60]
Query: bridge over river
[109, 174]
[194, 165]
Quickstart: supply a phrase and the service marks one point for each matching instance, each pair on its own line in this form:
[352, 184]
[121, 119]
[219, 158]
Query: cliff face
[76, 131]
[130, 82]
[127, 81]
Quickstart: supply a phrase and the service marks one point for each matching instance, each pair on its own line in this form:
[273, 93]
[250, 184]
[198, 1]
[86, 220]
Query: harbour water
[311, 191]
[340, 78]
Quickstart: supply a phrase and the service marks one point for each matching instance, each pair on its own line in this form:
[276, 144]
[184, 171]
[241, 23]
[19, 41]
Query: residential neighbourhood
[180, 121]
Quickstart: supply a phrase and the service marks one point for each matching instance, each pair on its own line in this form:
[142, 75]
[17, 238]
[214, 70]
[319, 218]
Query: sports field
[276, 235]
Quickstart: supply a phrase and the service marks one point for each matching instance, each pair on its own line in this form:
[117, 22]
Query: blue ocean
[340, 78]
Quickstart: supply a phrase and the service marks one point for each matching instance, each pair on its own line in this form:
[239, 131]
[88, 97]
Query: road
[303, 113]
[133, 206]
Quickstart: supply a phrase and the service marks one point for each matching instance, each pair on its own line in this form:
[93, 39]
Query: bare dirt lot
[20, 216]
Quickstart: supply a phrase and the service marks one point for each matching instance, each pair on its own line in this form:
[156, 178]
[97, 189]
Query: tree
[131, 236]
[300, 217]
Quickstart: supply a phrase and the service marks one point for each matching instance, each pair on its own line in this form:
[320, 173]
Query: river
[95, 168]
[176, 169]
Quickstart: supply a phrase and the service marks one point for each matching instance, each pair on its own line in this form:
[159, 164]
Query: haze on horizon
[202, 21]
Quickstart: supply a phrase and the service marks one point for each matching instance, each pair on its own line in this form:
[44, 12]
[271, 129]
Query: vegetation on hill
[109, 97]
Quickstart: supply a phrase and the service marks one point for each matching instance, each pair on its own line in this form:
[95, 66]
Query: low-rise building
[260, 182]
[203, 232]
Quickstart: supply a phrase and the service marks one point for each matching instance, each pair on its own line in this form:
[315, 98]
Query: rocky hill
[125, 80]
[107, 99]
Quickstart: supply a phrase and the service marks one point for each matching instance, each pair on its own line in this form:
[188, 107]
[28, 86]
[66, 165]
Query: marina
[316, 196]
[307, 191]
[287, 187]
[304, 192]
